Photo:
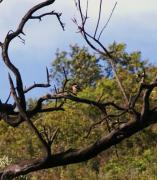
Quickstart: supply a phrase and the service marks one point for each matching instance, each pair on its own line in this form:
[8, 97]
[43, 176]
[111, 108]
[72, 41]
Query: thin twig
[99, 17]
[8, 98]
[107, 21]
[47, 84]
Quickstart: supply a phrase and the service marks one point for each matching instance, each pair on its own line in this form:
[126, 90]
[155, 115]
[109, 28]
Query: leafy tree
[132, 62]
[80, 65]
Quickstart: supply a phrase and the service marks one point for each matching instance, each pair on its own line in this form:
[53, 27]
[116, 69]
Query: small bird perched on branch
[141, 77]
[75, 88]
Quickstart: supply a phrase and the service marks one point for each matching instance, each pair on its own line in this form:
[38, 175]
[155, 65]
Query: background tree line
[134, 158]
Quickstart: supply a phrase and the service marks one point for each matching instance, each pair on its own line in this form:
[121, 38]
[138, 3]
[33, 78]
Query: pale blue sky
[134, 23]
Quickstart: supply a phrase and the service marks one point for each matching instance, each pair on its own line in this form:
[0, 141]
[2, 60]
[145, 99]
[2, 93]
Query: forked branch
[95, 43]
[39, 85]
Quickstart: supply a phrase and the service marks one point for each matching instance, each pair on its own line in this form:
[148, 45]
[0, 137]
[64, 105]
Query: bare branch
[58, 15]
[100, 49]
[106, 24]
[99, 17]
[8, 98]
[29, 122]
[50, 134]
[79, 155]
[39, 85]
[10, 36]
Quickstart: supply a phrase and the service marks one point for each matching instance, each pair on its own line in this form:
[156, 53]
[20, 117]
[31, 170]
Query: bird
[75, 88]
[140, 77]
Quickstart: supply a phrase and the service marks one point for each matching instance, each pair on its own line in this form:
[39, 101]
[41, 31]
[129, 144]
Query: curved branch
[47, 84]
[66, 95]
[9, 37]
[79, 155]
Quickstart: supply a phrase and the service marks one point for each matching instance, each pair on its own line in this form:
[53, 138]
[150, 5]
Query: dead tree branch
[39, 85]
[79, 155]
[97, 45]
[16, 113]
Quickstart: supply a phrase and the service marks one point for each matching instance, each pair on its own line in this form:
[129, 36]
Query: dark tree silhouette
[140, 118]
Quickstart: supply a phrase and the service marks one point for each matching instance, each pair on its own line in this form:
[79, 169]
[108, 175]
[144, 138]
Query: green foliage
[136, 155]
[131, 62]
[81, 66]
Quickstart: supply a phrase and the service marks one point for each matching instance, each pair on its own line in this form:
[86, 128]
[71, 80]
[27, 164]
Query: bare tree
[142, 118]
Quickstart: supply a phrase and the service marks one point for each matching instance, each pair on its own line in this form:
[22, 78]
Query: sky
[133, 23]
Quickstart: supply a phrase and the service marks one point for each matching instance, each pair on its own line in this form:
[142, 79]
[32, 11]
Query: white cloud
[134, 16]
[129, 16]
[12, 11]
[133, 22]
[135, 7]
